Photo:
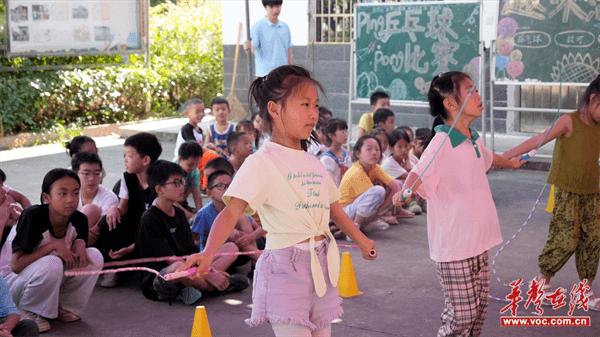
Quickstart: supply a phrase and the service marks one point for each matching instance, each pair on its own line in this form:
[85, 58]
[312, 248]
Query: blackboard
[400, 47]
[550, 41]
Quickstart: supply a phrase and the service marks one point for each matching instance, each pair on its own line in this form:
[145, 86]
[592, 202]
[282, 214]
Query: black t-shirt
[187, 132]
[162, 235]
[140, 200]
[35, 220]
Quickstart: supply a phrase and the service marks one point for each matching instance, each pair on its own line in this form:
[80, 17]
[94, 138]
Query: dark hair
[442, 86]
[233, 139]
[2, 176]
[271, 2]
[246, 123]
[190, 103]
[423, 134]
[324, 111]
[146, 144]
[220, 164]
[190, 149]
[85, 158]
[213, 176]
[159, 172]
[359, 144]
[592, 88]
[398, 134]
[408, 130]
[381, 115]
[376, 96]
[219, 100]
[52, 176]
[277, 86]
[332, 126]
[74, 146]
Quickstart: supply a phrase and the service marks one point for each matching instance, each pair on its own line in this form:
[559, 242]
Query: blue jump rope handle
[528, 155]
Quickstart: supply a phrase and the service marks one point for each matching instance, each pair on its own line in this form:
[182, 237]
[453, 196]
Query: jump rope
[405, 195]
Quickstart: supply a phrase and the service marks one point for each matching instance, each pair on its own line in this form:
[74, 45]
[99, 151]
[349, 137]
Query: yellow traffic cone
[201, 328]
[550, 204]
[347, 285]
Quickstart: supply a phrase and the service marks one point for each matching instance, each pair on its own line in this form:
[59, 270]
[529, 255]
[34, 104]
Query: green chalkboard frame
[530, 49]
[415, 100]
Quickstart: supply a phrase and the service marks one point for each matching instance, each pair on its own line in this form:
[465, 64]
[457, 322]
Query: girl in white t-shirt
[94, 199]
[296, 276]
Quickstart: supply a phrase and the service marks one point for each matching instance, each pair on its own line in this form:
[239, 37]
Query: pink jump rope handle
[372, 253]
[180, 274]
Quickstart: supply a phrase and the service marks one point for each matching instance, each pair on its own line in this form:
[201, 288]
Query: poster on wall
[75, 27]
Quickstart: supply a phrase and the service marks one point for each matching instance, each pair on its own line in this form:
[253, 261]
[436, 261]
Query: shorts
[284, 291]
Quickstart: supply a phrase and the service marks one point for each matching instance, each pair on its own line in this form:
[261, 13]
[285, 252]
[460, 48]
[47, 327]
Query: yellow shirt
[366, 122]
[292, 193]
[356, 182]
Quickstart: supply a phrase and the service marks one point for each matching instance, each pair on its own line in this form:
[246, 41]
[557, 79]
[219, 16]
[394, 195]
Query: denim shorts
[284, 291]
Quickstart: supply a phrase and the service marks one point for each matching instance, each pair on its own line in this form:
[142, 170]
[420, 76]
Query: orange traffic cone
[347, 285]
[201, 328]
[550, 204]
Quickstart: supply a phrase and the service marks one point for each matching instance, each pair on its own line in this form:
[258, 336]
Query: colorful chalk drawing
[548, 41]
[366, 84]
[576, 68]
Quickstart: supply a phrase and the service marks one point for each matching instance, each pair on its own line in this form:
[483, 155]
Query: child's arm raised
[501, 162]
[563, 126]
[220, 231]
[349, 228]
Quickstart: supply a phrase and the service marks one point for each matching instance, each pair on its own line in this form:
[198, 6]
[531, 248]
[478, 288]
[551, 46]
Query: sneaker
[237, 282]
[189, 295]
[414, 208]
[377, 225]
[67, 316]
[42, 324]
[109, 281]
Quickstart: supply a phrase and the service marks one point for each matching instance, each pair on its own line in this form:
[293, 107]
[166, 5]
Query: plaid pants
[466, 285]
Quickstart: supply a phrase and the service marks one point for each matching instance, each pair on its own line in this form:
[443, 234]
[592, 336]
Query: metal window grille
[332, 20]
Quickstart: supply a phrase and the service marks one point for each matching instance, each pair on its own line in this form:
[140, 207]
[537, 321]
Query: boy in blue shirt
[245, 234]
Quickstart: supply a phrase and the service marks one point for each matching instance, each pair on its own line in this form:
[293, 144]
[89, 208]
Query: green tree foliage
[185, 61]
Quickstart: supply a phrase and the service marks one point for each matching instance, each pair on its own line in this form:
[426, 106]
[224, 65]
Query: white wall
[293, 12]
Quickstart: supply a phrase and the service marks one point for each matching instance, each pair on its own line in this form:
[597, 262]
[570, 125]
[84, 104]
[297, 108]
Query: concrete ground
[401, 297]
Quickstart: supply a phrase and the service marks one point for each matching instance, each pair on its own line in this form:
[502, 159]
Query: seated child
[10, 320]
[262, 132]
[48, 239]
[217, 164]
[239, 146]
[189, 158]
[384, 141]
[363, 199]
[94, 199]
[164, 231]
[422, 138]
[220, 130]
[119, 227]
[81, 144]
[335, 158]
[245, 234]
[398, 165]
[246, 126]
[384, 118]
[378, 99]
[193, 109]
[12, 203]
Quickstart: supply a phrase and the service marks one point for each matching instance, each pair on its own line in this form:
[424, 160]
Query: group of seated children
[82, 224]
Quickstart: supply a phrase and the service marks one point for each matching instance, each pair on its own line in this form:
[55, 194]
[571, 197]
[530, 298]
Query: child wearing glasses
[164, 231]
[246, 232]
[94, 199]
